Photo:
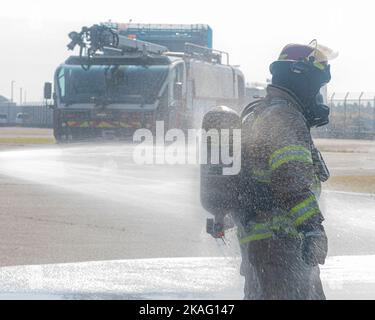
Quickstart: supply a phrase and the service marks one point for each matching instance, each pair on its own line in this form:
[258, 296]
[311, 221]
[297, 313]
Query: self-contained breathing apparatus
[224, 195]
[219, 192]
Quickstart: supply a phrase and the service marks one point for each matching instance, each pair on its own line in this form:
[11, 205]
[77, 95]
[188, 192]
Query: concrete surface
[89, 202]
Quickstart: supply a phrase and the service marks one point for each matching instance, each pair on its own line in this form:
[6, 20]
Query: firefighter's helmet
[315, 53]
[308, 59]
[313, 57]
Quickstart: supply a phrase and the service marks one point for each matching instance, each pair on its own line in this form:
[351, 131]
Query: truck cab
[122, 95]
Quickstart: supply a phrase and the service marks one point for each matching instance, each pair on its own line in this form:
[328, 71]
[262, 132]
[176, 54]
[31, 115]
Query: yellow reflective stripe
[301, 158]
[106, 125]
[260, 226]
[289, 153]
[255, 237]
[124, 124]
[289, 148]
[71, 123]
[267, 230]
[262, 231]
[257, 231]
[296, 216]
[304, 210]
[262, 175]
[302, 205]
[309, 214]
[78, 124]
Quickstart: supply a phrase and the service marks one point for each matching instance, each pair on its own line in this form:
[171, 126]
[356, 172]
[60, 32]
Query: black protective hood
[304, 80]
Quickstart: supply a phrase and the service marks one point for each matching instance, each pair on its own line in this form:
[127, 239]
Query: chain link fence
[27, 116]
[352, 116]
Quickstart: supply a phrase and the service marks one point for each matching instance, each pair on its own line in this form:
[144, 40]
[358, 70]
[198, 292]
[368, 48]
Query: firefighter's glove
[315, 247]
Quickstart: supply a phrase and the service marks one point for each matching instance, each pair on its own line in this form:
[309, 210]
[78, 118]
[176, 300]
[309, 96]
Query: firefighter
[282, 237]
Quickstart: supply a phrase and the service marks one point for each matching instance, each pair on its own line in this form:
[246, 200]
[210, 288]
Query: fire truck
[129, 76]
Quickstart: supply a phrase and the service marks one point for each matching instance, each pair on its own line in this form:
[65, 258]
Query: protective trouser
[274, 269]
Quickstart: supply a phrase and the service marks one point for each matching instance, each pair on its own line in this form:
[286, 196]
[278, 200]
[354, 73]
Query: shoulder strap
[251, 107]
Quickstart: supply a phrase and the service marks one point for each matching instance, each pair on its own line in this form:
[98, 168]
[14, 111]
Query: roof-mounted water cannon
[101, 39]
[94, 39]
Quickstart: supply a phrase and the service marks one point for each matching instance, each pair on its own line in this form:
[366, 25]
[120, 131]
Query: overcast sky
[34, 34]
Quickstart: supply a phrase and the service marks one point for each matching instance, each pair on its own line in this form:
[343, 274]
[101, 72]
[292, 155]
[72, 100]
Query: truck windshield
[114, 84]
